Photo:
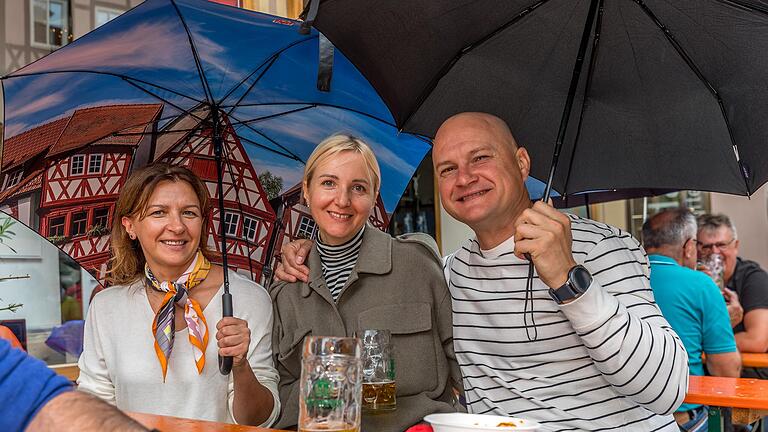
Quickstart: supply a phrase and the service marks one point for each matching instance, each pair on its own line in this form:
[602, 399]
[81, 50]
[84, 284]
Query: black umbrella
[652, 94]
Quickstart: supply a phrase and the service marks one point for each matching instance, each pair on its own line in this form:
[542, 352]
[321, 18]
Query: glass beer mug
[378, 372]
[330, 387]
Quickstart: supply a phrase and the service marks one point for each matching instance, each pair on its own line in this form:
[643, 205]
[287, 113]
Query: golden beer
[330, 427]
[379, 396]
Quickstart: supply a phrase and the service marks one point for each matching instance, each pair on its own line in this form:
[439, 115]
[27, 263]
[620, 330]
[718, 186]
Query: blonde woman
[361, 278]
[152, 339]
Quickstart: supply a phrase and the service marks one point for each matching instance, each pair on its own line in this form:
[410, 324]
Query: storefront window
[416, 210]
[639, 209]
[44, 294]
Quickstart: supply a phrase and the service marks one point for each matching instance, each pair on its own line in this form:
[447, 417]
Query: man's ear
[523, 162]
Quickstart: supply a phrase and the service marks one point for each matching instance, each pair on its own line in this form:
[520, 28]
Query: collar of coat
[375, 258]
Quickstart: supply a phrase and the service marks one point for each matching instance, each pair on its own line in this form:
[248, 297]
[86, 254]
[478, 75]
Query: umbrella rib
[452, 62]
[162, 99]
[740, 4]
[269, 64]
[289, 155]
[322, 104]
[117, 75]
[270, 61]
[4, 129]
[267, 117]
[695, 69]
[195, 55]
[251, 128]
[588, 87]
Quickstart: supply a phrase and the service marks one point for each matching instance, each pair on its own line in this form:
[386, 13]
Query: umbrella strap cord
[309, 21]
[526, 309]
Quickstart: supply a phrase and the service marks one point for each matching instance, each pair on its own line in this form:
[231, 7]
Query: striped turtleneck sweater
[338, 262]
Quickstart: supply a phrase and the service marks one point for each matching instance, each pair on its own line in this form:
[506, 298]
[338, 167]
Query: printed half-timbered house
[83, 174]
[249, 219]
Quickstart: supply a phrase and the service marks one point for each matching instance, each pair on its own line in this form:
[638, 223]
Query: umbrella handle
[225, 363]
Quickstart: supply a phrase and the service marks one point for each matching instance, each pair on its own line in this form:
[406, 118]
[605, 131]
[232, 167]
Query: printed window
[249, 228]
[56, 226]
[105, 15]
[94, 163]
[77, 165]
[51, 23]
[101, 216]
[307, 228]
[79, 224]
[230, 223]
[13, 178]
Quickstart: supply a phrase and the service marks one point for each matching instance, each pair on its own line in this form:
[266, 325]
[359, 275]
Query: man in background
[717, 235]
[691, 302]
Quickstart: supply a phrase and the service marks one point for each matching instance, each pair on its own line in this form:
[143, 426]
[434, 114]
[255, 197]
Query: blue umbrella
[228, 92]
[67, 338]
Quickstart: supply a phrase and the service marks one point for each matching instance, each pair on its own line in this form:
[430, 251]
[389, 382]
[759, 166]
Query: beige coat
[397, 284]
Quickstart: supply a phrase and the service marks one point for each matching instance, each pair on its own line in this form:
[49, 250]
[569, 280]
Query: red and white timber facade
[75, 182]
[249, 218]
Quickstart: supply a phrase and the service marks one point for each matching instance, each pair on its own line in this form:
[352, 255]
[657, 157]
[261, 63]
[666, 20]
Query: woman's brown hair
[127, 262]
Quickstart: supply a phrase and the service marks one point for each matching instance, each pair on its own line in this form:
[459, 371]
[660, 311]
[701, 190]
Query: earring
[132, 236]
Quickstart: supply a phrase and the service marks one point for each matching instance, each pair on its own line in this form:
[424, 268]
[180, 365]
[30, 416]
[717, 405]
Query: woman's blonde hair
[339, 143]
[127, 262]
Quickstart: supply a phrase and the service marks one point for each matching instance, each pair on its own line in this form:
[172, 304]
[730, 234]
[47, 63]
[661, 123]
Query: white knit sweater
[119, 363]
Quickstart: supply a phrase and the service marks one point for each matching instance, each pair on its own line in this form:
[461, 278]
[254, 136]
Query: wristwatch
[578, 281]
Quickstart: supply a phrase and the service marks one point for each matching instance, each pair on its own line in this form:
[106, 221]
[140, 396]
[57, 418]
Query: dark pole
[571, 94]
[528, 302]
[225, 363]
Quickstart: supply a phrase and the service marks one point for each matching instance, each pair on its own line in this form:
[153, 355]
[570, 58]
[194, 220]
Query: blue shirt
[696, 310]
[26, 385]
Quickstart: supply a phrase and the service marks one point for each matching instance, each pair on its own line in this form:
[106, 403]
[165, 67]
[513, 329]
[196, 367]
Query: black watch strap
[577, 284]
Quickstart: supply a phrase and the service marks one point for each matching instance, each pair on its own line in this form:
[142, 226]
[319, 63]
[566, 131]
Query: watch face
[580, 278]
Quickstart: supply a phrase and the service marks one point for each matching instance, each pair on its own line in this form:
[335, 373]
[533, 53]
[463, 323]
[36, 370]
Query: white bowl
[457, 422]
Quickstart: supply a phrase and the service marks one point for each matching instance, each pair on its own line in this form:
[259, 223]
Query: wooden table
[746, 396]
[173, 424]
[757, 360]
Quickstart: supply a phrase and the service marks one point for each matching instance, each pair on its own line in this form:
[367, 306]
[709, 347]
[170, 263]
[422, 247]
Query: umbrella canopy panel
[144, 88]
[671, 96]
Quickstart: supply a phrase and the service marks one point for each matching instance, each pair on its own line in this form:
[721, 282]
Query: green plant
[58, 239]
[97, 230]
[6, 233]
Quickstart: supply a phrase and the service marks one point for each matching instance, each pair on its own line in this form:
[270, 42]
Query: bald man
[586, 348]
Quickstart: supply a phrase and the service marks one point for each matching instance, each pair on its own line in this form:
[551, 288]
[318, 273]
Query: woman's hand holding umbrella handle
[225, 363]
[233, 338]
[292, 267]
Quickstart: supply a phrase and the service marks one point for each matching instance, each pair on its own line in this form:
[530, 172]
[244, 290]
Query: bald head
[471, 122]
[481, 174]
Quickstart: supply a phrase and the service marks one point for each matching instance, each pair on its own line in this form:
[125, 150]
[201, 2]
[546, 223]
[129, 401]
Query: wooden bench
[746, 397]
[756, 360]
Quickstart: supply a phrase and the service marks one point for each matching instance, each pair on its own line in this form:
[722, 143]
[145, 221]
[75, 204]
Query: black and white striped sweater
[607, 361]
